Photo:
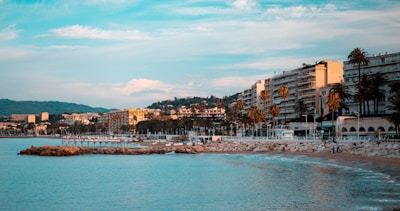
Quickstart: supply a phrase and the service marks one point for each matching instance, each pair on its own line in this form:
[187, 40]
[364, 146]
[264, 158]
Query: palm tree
[344, 94]
[235, 112]
[264, 98]
[284, 93]
[395, 87]
[395, 105]
[364, 93]
[333, 102]
[301, 107]
[358, 56]
[274, 111]
[377, 80]
[256, 115]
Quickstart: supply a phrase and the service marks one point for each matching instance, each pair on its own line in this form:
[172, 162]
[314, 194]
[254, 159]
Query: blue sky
[122, 54]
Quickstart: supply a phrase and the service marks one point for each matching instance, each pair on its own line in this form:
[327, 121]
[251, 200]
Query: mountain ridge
[9, 107]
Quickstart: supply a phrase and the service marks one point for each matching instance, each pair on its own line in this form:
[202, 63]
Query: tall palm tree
[358, 56]
[274, 111]
[333, 102]
[264, 99]
[284, 93]
[377, 81]
[344, 94]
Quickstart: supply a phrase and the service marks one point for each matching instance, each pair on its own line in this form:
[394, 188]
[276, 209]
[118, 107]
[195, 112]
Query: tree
[255, 115]
[358, 56]
[363, 94]
[274, 111]
[395, 87]
[264, 99]
[301, 107]
[284, 93]
[395, 105]
[333, 102]
[344, 94]
[377, 81]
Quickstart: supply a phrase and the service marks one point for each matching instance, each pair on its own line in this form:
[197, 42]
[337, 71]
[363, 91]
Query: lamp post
[306, 125]
[358, 124]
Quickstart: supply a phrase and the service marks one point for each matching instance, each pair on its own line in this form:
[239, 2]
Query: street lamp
[306, 125]
[358, 125]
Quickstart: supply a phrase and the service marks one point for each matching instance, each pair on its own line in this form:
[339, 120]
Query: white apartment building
[214, 112]
[245, 96]
[84, 118]
[304, 83]
[252, 96]
[388, 64]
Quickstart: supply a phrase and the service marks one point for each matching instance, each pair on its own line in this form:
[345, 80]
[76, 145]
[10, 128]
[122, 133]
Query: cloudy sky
[131, 53]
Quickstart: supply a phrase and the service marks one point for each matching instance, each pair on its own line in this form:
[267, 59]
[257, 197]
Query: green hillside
[8, 107]
[178, 102]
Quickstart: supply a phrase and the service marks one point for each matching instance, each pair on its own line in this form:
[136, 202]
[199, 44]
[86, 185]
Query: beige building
[388, 64]
[306, 83]
[118, 119]
[44, 116]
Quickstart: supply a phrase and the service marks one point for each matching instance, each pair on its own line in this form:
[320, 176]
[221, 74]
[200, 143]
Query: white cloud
[299, 11]
[8, 33]
[141, 85]
[244, 4]
[87, 32]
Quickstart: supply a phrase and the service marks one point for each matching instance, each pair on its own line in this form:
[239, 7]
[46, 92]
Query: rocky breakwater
[367, 149]
[77, 150]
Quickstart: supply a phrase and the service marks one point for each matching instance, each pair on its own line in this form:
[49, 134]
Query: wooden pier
[100, 141]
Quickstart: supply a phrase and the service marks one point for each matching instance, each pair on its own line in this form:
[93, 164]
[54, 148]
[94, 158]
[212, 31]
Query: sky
[131, 53]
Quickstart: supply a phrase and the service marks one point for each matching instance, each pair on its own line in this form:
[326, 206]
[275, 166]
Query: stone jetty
[366, 149]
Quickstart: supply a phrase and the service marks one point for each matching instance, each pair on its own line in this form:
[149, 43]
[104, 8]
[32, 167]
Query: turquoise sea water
[190, 182]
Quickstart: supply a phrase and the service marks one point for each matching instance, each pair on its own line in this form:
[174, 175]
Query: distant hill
[8, 107]
[178, 102]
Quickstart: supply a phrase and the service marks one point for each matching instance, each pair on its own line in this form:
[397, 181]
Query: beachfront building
[252, 96]
[119, 121]
[82, 118]
[245, 96]
[387, 64]
[308, 84]
[370, 128]
[195, 111]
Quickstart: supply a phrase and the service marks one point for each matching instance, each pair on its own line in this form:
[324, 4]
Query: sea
[191, 181]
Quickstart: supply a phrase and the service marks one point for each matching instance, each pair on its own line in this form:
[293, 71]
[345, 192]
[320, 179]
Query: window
[371, 129]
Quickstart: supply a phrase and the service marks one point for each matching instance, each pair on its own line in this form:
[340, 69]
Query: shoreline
[368, 159]
[388, 154]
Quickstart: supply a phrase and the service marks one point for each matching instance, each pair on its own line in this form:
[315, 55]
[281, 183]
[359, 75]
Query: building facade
[118, 119]
[388, 64]
[306, 84]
